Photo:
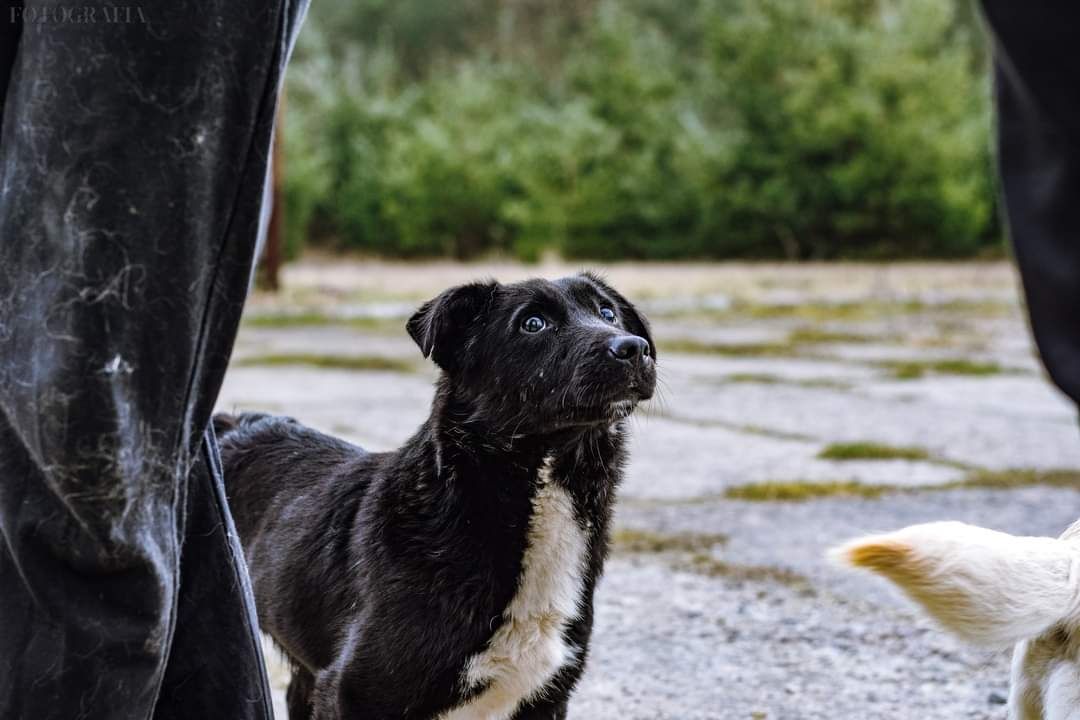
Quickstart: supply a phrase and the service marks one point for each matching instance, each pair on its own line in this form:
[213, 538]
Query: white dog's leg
[1062, 692]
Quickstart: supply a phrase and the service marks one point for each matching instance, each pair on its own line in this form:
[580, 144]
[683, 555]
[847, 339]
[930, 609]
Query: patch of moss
[769, 432]
[906, 370]
[1005, 479]
[706, 564]
[790, 347]
[634, 541]
[798, 490]
[319, 319]
[914, 369]
[816, 336]
[871, 451]
[697, 347]
[280, 320]
[736, 427]
[755, 378]
[981, 308]
[872, 309]
[823, 383]
[966, 367]
[335, 362]
[815, 311]
[691, 552]
[767, 379]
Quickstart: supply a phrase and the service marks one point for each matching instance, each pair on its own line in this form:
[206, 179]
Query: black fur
[380, 574]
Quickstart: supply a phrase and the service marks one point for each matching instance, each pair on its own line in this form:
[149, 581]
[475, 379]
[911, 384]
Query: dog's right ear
[441, 326]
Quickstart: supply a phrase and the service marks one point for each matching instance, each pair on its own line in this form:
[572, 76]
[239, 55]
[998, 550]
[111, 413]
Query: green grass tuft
[769, 379]
[697, 347]
[284, 320]
[816, 336]
[914, 369]
[755, 378]
[798, 490]
[966, 367]
[320, 319]
[334, 362]
[801, 490]
[819, 312]
[646, 542]
[710, 566]
[1006, 479]
[692, 552]
[735, 427]
[871, 451]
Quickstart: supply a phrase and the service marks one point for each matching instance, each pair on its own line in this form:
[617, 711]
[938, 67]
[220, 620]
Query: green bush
[727, 128]
[864, 133]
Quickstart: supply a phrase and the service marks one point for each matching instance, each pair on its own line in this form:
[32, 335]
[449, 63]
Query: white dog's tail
[988, 587]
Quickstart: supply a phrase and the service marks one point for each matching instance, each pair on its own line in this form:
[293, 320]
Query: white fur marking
[528, 649]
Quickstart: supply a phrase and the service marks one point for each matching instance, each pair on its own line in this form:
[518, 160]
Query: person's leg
[132, 160]
[1038, 117]
[10, 29]
[215, 616]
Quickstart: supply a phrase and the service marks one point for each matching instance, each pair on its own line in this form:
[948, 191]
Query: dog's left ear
[441, 326]
[633, 320]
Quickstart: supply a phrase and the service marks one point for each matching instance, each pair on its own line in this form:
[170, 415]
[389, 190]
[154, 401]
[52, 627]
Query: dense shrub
[642, 128]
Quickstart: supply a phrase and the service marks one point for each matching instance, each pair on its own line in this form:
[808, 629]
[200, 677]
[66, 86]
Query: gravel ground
[712, 607]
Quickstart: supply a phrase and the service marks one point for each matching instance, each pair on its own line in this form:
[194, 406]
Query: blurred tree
[641, 128]
[273, 251]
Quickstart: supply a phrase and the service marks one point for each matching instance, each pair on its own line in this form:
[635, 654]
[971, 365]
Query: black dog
[452, 578]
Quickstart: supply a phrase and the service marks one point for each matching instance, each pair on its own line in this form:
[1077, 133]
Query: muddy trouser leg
[1037, 73]
[133, 153]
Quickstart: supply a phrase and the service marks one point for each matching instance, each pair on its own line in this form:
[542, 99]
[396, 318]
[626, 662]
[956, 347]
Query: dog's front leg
[325, 696]
[298, 698]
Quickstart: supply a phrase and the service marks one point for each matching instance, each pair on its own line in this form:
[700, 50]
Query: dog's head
[539, 356]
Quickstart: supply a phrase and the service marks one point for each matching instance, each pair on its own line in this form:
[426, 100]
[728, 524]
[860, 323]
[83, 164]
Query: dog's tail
[990, 588]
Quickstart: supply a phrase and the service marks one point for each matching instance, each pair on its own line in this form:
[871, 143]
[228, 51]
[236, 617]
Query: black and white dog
[454, 577]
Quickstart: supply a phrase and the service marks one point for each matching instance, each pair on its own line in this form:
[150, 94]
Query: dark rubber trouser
[133, 158]
[1037, 68]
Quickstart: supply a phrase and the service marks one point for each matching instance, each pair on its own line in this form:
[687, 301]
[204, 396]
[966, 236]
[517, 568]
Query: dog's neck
[459, 437]
[466, 460]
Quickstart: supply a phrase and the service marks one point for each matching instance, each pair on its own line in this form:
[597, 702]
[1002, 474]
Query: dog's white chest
[528, 649]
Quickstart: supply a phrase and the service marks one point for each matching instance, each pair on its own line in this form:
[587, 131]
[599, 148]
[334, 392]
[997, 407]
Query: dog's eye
[533, 324]
[608, 314]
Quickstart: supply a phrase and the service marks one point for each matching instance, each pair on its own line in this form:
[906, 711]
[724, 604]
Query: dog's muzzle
[633, 355]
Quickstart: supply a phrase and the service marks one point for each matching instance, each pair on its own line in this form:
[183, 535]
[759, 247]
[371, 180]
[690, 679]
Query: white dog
[995, 590]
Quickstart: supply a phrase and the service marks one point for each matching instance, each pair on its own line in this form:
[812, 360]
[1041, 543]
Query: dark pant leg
[132, 161]
[1037, 59]
[215, 615]
[10, 29]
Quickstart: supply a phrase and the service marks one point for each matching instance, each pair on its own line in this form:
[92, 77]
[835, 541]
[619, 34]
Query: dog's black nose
[629, 347]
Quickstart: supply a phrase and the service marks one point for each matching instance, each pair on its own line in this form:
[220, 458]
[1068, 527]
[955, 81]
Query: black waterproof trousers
[133, 159]
[1037, 63]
